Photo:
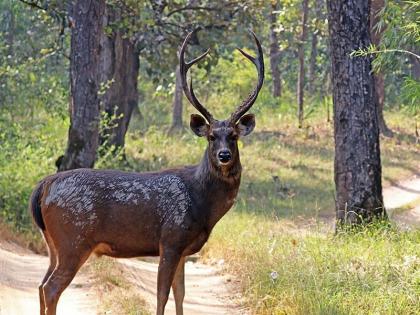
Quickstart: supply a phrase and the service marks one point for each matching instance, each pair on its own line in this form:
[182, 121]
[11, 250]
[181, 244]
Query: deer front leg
[169, 259]
[178, 286]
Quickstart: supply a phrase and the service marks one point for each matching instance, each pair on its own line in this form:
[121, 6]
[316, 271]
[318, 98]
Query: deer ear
[246, 124]
[199, 125]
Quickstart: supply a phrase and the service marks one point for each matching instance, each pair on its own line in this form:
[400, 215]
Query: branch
[53, 11]
[191, 8]
[371, 50]
[396, 50]
[33, 4]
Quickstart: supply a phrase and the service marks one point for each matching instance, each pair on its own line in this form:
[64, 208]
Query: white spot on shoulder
[168, 191]
[72, 193]
[173, 198]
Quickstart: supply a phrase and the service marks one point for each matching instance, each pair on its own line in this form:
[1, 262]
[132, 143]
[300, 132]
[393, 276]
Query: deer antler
[249, 101]
[183, 69]
[189, 92]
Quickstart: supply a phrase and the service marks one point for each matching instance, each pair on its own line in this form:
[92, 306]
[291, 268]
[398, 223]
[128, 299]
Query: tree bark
[84, 80]
[377, 6]
[177, 102]
[119, 63]
[274, 51]
[9, 37]
[415, 67]
[357, 165]
[10, 33]
[312, 62]
[301, 57]
[178, 93]
[319, 7]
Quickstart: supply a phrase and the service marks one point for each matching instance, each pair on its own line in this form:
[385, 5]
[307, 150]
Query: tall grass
[290, 271]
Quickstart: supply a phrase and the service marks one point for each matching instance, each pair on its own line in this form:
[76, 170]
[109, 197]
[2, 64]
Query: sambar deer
[168, 214]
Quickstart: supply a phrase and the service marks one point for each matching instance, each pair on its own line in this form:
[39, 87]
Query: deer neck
[221, 186]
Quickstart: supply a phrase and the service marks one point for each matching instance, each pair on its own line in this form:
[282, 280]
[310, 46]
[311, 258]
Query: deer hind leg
[178, 286]
[53, 263]
[168, 263]
[67, 266]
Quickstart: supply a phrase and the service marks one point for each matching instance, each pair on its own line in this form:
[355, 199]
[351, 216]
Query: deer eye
[212, 138]
[234, 137]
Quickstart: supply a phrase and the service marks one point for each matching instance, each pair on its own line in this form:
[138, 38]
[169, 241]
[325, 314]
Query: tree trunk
[119, 62]
[301, 57]
[319, 8]
[10, 33]
[312, 62]
[84, 81]
[9, 37]
[178, 94]
[415, 66]
[379, 100]
[177, 102]
[357, 165]
[377, 6]
[274, 51]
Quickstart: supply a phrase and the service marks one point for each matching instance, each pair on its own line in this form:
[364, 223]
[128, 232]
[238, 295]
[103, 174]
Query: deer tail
[35, 206]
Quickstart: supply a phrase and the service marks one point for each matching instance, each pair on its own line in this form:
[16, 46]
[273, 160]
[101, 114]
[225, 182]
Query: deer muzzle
[224, 156]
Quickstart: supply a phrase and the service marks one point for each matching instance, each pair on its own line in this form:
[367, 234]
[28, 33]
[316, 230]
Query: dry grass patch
[116, 293]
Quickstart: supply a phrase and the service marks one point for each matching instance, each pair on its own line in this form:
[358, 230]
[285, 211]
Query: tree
[119, 70]
[376, 34]
[274, 50]
[415, 66]
[177, 102]
[312, 62]
[84, 81]
[151, 29]
[9, 18]
[301, 57]
[178, 92]
[357, 164]
[316, 30]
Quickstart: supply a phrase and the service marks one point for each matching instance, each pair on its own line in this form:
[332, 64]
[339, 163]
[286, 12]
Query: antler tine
[193, 94]
[259, 64]
[183, 69]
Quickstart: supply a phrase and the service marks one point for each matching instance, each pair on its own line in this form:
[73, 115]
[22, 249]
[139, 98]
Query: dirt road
[20, 273]
[207, 291]
[401, 194]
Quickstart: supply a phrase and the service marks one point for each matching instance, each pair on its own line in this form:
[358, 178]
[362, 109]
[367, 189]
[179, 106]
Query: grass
[26, 240]
[372, 271]
[406, 207]
[116, 293]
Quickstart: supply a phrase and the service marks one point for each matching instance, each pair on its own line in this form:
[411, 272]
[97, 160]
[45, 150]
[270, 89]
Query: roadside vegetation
[290, 270]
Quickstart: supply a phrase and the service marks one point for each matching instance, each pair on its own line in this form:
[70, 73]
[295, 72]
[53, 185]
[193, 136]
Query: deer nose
[224, 156]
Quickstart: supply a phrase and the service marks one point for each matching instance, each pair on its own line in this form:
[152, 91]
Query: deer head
[222, 135]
